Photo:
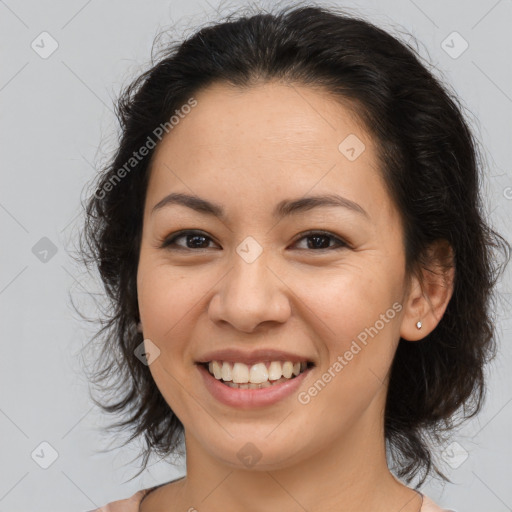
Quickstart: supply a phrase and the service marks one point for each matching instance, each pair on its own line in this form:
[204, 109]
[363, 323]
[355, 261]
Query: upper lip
[255, 356]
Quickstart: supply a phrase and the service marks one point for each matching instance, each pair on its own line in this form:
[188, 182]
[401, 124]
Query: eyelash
[169, 241]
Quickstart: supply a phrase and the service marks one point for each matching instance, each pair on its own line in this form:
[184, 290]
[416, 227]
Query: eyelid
[168, 240]
[340, 242]
[310, 232]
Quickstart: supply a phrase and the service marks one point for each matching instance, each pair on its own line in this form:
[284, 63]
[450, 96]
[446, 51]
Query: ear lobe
[431, 289]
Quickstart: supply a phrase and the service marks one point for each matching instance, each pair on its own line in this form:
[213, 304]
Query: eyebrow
[284, 208]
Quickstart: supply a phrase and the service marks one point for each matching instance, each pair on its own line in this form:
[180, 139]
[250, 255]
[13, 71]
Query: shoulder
[430, 506]
[130, 504]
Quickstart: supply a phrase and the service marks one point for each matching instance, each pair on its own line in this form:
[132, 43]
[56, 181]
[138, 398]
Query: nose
[249, 295]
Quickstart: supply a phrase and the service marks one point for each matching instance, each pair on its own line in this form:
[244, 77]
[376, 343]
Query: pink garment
[132, 504]
[127, 505]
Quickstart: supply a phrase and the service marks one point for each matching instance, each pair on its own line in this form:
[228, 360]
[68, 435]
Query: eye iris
[316, 245]
[316, 240]
[195, 238]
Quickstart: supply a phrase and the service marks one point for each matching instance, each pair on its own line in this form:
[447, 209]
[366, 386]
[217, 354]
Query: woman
[291, 237]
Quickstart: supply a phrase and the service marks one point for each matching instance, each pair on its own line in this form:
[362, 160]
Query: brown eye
[320, 240]
[197, 240]
[193, 240]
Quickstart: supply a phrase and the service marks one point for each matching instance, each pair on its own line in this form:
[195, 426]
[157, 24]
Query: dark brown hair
[431, 165]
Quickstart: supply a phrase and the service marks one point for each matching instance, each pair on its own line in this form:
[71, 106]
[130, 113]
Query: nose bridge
[250, 292]
[251, 275]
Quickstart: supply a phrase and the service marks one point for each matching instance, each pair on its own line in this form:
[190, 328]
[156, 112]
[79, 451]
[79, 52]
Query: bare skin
[247, 151]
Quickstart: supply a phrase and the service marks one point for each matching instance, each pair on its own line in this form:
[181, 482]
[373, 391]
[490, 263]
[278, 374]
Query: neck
[350, 474]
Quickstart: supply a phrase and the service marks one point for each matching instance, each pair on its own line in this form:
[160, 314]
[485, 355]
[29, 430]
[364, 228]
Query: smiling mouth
[256, 376]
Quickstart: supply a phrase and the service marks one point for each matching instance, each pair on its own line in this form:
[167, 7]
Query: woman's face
[250, 281]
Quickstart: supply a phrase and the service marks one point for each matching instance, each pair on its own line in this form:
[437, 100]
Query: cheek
[353, 314]
[356, 346]
[344, 300]
[165, 296]
[166, 303]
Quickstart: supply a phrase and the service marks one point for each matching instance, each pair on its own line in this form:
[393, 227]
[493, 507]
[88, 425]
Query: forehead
[272, 139]
[285, 119]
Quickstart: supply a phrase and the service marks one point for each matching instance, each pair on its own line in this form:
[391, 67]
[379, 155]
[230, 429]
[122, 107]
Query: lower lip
[249, 398]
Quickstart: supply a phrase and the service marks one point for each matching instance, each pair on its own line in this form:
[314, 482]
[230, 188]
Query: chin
[256, 452]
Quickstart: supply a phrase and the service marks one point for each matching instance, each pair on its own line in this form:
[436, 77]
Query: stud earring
[418, 324]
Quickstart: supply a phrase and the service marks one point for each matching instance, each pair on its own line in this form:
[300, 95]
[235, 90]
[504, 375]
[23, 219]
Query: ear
[429, 292]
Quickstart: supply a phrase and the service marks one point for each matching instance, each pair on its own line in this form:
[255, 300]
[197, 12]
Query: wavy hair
[430, 162]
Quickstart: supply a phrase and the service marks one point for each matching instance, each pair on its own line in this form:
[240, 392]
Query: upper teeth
[241, 373]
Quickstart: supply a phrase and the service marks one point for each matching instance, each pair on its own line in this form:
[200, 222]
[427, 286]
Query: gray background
[57, 124]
